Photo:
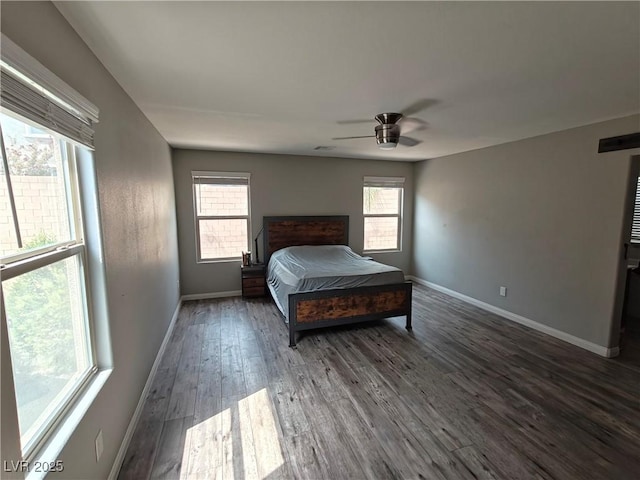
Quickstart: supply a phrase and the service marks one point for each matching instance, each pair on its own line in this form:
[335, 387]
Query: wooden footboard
[343, 306]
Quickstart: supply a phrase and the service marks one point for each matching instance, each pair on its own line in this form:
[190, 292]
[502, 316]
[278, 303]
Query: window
[635, 226]
[43, 277]
[382, 209]
[221, 206]
[43, 254]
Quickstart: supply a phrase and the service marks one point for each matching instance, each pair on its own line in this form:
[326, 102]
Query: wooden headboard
[281, 232]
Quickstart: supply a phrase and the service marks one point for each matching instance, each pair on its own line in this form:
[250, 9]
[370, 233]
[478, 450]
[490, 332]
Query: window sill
[220, 260]
[50, 452]
[395, 250]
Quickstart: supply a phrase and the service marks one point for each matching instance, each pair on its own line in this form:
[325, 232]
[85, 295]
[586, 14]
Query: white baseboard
[204, 296]
[117, 463]
[559, 334]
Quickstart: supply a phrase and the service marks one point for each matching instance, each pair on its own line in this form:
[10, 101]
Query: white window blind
[384, 182]
[30, 90]
[220, 180]
[635, 226]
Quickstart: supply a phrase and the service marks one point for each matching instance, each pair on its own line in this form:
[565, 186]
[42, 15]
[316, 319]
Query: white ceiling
[278, 77]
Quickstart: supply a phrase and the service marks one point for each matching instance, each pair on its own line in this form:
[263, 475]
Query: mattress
[311, 268]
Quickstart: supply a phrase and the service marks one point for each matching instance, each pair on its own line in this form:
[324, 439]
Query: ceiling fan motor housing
[388, 118]
[387, 133]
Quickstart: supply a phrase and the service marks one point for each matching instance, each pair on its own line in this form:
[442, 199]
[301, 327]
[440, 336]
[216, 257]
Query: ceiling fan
[388, 131]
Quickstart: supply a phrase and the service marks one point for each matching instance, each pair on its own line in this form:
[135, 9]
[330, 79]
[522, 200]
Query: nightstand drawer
[253, 280]
[253, 292]
[248, 282]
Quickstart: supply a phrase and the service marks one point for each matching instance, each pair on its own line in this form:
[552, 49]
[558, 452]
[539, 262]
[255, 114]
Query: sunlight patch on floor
[268, 454]
[208, 448]
[202, 454]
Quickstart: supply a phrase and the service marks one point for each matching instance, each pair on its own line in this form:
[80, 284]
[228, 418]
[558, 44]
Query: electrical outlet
[99, 446]
[503, 291]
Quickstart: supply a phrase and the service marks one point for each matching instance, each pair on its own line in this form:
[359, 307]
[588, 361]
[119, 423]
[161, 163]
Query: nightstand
[254, 283]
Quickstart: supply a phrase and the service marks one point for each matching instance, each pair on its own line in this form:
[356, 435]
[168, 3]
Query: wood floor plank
[157, 401]
[183, 395]
[335, 449]
[203, 449]
[247, 449]
[477, 464]
[490, 441]
[141, 454]
[270, 457]
[173, 350]
[318, 376]
[305, 457]
[232, 455]
[208, 400]
[291, 415]
[375, 462]
[171, 449]
[466, 395]
[542, 452]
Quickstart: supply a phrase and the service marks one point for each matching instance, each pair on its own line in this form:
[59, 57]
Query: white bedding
[308, 268]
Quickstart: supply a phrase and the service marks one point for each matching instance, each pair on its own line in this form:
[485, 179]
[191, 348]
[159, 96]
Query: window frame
[15, 265]
[384, 182]
[233, 177]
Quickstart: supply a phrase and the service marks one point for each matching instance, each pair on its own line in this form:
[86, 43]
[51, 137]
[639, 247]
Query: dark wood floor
[467, 395]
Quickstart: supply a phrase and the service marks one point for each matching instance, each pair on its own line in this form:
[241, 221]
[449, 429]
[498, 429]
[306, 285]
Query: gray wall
[542, 216]
[282, 185]
[136, 196]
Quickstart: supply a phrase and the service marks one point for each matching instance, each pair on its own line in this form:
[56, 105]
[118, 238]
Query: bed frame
[341, 306]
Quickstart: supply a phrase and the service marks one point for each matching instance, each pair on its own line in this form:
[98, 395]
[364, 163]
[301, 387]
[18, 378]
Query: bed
[311, 293]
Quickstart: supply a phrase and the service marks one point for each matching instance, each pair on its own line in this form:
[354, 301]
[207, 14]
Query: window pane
[380, 233]
[222, 238]
[48, 339]
[222, 200]
[39, 187]
[378, 200]
[8, 239]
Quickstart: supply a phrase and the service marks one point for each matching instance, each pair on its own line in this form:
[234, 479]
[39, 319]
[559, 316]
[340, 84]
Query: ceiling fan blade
[412, 124]
[351, 122]
[418, 106]
[408, 141]
[349, 138]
